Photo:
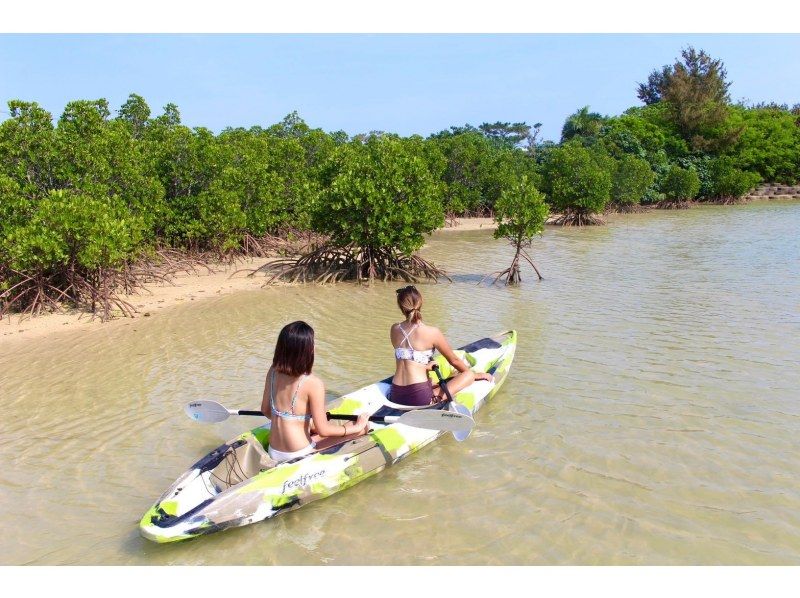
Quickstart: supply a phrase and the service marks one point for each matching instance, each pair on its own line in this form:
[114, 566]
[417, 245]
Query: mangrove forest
[98, 202]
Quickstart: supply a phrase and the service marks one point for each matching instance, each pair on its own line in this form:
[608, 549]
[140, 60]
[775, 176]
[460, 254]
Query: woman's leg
[454, 385]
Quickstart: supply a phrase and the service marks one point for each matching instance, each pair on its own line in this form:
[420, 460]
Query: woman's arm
[266, 408]
[444, 348]
[316, 406]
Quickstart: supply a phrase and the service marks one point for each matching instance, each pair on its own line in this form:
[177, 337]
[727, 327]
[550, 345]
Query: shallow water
[651, 415]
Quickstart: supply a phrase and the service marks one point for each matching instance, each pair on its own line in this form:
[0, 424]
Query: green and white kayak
[238, 484]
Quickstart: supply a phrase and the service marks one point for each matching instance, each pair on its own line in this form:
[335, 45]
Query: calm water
[651, 415]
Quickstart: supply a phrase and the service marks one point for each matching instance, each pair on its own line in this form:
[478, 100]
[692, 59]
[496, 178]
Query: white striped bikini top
[409, 353]
[286, 414]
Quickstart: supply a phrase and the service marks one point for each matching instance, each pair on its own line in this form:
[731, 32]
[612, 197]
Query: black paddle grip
[351, 418]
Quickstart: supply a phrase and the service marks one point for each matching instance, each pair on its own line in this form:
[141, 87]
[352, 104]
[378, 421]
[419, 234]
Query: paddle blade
[461, 435]
[207, 412]
[437, 419]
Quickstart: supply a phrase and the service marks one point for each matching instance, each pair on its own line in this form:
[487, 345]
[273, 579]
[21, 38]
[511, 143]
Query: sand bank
[156, 297]
[462, 224]
[151, 300]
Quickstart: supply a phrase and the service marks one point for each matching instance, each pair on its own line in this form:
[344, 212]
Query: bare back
[420, 337]
[290, 396]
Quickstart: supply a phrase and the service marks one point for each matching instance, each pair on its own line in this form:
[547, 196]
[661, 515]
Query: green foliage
[658, 116]
[69, 228]
[93, 191]
[14, 208]
[582, 124]
[381, 196]
[651, 92]
[27, 148]
[186, 163]
[464, 173]
[520, 212]
[680, 184]
[292, 126]
[101, 158]
[221, 221]
[468, 172]
[694, 92]
[633, 134]
[136, 113]
[706, 75]
[729, 182]
[577, 180]
[769, 144]
[632, 179]
[506, 135]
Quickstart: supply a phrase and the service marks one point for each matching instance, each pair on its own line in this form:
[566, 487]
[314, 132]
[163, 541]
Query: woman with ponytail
[414, 343]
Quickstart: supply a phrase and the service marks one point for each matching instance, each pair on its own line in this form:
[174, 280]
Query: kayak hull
[238, 484]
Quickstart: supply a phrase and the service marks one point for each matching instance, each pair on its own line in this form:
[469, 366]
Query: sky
[405, 83]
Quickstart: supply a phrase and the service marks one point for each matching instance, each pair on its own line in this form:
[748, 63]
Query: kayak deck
[238, 483]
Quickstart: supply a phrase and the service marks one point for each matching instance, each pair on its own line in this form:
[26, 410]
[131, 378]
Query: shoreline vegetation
[94, 207]
[214, 279]
[153, 299]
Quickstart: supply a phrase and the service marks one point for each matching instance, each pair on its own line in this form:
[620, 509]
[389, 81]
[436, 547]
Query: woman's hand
[362, 424]
[484, 376]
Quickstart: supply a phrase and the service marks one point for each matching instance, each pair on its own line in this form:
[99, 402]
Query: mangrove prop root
[626, 208]
[513, 274]
[99, 292]
[330, 264]
[287, 242]
[576, 218]
[671, 204]
[451, 220]
[726, 201]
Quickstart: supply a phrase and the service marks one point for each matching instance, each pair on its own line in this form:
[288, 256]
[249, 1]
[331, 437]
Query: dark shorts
[413, 395]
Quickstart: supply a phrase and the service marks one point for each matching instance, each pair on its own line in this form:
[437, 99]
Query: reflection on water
[650, 415]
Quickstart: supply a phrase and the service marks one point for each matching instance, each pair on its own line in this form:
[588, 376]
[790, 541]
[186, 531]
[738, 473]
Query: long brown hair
[294, 351]
[409, 300]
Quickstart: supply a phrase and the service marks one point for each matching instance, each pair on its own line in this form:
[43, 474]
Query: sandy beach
[472, 224]
[149, 301]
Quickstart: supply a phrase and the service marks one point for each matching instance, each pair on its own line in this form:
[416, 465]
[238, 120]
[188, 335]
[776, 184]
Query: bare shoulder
[314, 382]
[432, 331]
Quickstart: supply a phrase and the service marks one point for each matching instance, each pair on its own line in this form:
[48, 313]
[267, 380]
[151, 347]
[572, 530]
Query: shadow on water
[472, 278]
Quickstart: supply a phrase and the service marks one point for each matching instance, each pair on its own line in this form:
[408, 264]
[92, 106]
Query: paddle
[211, 412]
[458, 408]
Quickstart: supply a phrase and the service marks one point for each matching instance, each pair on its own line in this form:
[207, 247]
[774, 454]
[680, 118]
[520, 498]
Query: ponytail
[409, 300]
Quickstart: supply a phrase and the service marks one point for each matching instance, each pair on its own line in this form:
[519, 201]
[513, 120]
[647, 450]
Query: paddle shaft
[352, 418]
[443, 383]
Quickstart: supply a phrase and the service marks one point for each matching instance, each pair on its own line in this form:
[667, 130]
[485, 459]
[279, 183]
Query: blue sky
[402, 83]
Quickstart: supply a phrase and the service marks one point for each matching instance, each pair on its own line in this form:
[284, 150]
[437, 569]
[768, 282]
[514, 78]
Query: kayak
[238, 483]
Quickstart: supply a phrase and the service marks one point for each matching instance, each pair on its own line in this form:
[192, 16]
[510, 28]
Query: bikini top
[409, 353]
[286, 414]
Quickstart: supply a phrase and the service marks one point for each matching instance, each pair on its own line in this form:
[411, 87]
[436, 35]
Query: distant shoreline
[463, 224]
[156, 297]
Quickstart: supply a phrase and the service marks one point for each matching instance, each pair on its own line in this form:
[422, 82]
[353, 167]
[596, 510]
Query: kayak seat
[242, 461]
[484, 343]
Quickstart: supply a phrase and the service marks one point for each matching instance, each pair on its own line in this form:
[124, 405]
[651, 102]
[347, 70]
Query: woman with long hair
[294, 397]
[414, 343]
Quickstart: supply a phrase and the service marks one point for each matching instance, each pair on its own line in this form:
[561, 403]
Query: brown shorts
[413, 395]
